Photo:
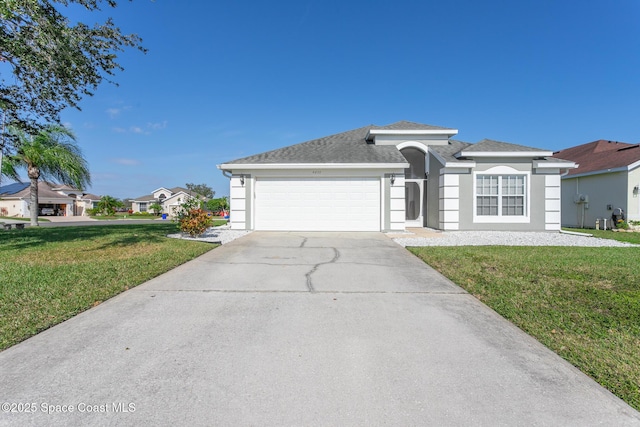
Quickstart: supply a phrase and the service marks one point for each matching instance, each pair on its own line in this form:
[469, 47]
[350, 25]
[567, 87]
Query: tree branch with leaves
[54, 63]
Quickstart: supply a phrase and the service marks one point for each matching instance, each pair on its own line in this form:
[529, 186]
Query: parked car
[47, 211]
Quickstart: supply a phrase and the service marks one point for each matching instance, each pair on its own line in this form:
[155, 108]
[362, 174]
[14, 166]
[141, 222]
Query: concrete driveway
[297, 329]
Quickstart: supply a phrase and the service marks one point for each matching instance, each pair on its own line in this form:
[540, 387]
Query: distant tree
[202, 190]
[108, 205]
[54, 62]
[52, 154]
[217, 205]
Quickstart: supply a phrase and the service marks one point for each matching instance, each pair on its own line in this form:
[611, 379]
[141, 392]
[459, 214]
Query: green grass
[48, 275]
[40, 219]
[125, 215]
[621, 236]
[583, 303]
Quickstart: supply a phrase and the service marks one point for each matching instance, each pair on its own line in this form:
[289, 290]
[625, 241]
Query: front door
[414, 187]
[414, 202]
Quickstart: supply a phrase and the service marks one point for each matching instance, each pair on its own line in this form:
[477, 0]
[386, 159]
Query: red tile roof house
[607, 177]
[387, 178]
[53, 199]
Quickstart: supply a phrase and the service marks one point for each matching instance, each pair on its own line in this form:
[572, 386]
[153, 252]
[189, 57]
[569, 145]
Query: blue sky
[223, 80]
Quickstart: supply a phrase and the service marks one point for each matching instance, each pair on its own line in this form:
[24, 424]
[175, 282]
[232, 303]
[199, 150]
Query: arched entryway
[415, 179]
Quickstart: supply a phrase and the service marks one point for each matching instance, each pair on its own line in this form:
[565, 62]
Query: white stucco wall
[633, 197]
[17, 208]
[238, 202]
[241, 197]
[397, 203]
[552, 202]
[449, 201]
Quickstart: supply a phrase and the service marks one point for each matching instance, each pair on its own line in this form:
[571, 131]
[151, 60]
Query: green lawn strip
[13, 218]
[48, 275]
[621, 236]
[583, 303]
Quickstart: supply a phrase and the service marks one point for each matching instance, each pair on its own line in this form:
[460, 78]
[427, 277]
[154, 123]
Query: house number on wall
[316, 172]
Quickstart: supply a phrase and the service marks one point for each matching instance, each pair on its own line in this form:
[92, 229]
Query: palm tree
[108, 205]
[53, 155]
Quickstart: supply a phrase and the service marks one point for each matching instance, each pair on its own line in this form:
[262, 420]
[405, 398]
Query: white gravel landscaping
[222, 234]
[505, 238]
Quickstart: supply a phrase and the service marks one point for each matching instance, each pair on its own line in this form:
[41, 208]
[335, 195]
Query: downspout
[582, 204]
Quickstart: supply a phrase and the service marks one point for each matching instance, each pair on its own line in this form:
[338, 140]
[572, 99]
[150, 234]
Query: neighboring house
[384, 178]
[169, 198]
[607, 177]
[53, 199]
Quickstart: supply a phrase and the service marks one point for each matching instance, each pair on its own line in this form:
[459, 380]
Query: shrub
[195, 222]
[622, 224]
[93, 211]
[142, 214]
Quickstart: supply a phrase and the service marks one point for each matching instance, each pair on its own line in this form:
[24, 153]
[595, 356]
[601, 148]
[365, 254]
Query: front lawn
[15, 218]
[621, 236]
[48, 275]
[583, 303]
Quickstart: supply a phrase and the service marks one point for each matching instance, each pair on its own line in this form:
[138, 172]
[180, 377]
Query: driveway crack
[336, 257]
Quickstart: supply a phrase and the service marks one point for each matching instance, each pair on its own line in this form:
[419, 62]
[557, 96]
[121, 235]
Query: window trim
[500, 218]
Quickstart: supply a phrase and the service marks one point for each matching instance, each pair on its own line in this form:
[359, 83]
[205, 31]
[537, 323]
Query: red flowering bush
[195, 222]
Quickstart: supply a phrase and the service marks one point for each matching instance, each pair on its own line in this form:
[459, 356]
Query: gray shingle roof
[448, 152]
[150, 198]
[491, 146]
[405, 125]
[352, 147]
[345, 147]
[90, 196]
[21, 189]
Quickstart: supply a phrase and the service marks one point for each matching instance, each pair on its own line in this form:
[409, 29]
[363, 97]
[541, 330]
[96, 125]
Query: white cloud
[142, 130]
[125, 162]
[157, 126]
[114, 112]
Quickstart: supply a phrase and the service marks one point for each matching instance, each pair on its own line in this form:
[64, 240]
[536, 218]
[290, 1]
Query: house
[53, 199]
[386, 178]
[169, 198]
[607, 178]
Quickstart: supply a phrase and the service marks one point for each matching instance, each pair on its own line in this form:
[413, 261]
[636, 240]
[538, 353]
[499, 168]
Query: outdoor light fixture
[242, 180]
[636, 189]
[393, 178]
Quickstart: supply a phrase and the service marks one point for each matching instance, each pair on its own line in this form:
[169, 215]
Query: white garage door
[317, 204]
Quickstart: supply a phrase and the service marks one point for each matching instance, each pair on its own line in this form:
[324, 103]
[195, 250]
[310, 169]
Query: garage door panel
[322, 204]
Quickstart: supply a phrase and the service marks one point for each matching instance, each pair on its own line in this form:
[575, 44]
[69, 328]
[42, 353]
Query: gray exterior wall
[602, 190]
[543, 200]
[537, 185]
